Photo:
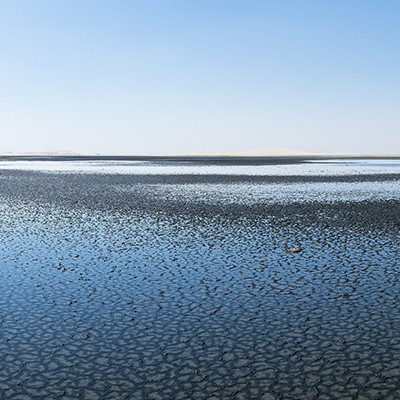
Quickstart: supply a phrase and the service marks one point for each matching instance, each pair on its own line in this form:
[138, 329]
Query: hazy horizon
[175, 77]
[267, 152]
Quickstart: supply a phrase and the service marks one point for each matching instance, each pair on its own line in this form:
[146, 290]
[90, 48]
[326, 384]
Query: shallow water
[115, 287]
[313, 168]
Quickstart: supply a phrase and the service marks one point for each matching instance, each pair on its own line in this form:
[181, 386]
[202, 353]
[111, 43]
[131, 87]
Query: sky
[184, 76]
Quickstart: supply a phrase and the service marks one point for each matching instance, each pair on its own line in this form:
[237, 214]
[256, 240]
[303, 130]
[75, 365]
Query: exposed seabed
[117, 286]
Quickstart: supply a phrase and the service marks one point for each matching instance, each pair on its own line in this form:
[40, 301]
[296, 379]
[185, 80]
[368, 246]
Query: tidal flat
[170, 280]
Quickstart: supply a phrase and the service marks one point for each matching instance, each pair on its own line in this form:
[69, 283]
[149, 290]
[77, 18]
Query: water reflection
[315, 168]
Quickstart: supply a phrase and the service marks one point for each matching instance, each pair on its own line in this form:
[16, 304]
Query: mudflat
[164, 285]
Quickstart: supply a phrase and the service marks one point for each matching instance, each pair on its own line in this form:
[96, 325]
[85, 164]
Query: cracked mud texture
[117, 287]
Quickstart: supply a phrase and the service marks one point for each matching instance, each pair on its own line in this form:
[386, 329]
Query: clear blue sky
[162, 76]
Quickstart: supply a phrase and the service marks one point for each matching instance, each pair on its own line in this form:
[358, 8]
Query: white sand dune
[271, 151]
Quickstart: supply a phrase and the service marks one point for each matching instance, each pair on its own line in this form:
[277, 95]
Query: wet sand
[135, 294]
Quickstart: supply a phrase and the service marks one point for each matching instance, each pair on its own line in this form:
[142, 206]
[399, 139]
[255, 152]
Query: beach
[168, 279]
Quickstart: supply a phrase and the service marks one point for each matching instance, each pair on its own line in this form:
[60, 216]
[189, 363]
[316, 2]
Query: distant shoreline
[288, 159]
